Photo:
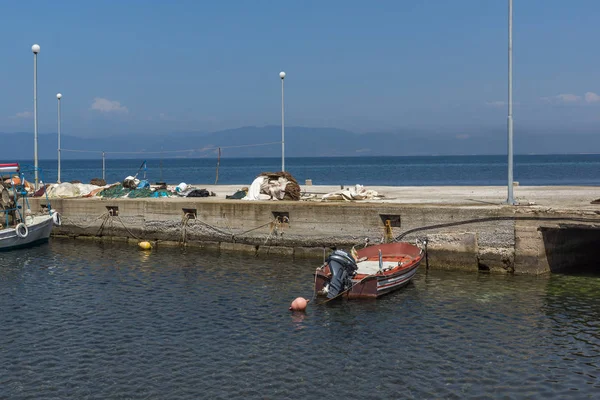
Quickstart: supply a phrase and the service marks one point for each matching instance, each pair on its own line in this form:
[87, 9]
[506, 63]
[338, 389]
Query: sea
[529, 170]
[105, 320]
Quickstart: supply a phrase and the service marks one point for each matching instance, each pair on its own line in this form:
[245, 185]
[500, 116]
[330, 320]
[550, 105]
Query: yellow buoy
[145, 245]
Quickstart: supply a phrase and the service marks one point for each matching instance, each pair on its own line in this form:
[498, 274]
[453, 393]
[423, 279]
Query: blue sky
[159, 67]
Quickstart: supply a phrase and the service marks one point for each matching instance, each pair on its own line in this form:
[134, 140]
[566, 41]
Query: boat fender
[22, 230]
[145, 245]
[299, 304]
[56, 218]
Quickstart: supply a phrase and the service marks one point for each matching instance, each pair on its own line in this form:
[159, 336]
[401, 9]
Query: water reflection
[573, 307]
[298, 318]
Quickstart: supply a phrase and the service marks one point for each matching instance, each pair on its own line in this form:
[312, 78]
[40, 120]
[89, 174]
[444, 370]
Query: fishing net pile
[118, 191]
[115, 192]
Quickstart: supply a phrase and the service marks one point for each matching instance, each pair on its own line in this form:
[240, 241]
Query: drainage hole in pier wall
[395, 220]
[282, 216]
[191, 213]
[113, 210]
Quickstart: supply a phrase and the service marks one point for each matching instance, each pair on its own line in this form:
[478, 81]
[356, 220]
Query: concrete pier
[466, 228]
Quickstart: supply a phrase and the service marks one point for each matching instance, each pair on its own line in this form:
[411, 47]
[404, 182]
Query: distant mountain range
[299, 142]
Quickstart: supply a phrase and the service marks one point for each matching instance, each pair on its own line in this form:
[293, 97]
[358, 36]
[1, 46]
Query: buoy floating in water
[145, 245]
[299, 304]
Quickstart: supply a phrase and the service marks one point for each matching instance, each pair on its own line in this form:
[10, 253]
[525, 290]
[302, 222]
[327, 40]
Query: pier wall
[469, 238]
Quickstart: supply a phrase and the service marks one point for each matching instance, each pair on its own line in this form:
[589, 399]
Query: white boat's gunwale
[39, 229]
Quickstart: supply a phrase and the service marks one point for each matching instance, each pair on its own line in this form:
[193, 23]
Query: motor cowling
[343, 268]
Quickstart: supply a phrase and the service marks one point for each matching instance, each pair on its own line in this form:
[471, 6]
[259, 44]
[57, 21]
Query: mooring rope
[274, 228]
[184, 222]
[344, 291]
[126, 228]
[88, 226]
[104, 222]
[253, 229]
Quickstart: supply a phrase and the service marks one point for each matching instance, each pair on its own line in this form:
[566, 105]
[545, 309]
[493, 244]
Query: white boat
[18, 226]
[34, 230]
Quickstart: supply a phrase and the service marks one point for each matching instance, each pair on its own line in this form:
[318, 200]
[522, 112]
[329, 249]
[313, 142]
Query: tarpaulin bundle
[291, 187]
[240, 194]
[147, 192]
[200, 193]
[353, 193]
[161, 193]
[68, 190]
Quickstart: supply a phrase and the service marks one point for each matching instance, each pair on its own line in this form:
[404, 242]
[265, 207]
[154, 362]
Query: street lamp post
[510, 200]
[58, 97]
[35, 49]
[282, 76]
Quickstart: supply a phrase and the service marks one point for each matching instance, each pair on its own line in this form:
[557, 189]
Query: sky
[136, 66]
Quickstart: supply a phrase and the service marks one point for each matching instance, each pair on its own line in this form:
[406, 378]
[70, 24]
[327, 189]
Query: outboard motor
[343, 267]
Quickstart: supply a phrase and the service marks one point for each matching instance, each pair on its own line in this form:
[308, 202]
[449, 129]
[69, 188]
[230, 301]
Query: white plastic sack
[254, 191]
[182, 187]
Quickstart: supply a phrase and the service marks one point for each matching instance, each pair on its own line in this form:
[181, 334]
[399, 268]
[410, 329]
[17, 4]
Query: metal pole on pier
[103, 166]
[58, 97]
[282, 76]
[35, 49]
[510, 200]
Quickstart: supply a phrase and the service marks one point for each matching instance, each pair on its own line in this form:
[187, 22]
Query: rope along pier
[276, 223]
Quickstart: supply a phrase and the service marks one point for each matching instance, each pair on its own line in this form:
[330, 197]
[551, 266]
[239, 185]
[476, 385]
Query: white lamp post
[510, 200]
[282, 76]
[58, 97]
[35, 49]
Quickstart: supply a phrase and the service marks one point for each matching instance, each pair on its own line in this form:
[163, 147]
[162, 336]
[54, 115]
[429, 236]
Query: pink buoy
[299, 304]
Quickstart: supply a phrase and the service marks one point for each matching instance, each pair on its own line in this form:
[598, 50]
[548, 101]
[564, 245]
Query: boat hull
[378, 284]
[39, 231]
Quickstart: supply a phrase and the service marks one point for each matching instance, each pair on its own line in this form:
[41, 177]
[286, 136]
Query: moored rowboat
[372, 272]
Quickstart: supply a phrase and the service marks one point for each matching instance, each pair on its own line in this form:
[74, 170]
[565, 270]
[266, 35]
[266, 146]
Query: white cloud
[591, 97]
[569, 98]
[500, 104]
[24, 115]
[108, 106]
[165, 117]
[496, 103]
[563, 98]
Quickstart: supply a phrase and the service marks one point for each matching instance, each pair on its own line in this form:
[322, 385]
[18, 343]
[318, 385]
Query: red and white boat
[368, 273]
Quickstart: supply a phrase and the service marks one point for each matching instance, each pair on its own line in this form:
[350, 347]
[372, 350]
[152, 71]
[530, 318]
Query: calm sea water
[386, 171]
[107, 321]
